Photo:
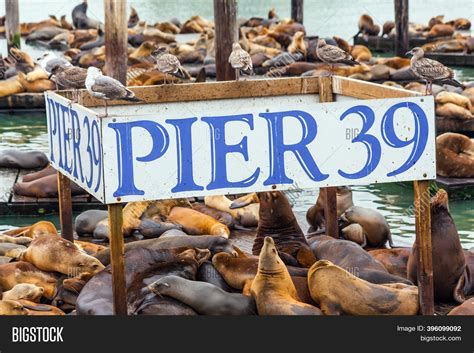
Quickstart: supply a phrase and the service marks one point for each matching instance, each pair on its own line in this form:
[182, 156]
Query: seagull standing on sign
[69, 77]
[166, 62]
[240, 60]
[107, 88]
[431, 70]
[330, 54]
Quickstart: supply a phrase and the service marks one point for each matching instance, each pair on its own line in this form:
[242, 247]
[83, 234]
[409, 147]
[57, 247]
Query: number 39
[420, 137]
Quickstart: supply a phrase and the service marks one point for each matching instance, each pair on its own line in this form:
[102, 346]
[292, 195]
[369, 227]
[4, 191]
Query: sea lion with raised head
[273, 289]
[204, 298]
[52, 253]
[339, 292]
[376, 229]
[451, 275]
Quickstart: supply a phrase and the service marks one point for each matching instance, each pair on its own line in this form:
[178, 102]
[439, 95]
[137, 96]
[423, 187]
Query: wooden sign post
[116, 39]
[12, 23]
[122, 153]
[297, 12]
[225, 19]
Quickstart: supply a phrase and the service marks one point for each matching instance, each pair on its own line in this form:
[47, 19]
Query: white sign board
[158, 151]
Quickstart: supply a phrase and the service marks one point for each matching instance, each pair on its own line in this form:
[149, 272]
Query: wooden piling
[330, 207]
[401, 26]
[117, 261]
[225, 18]
[116, 39]
[12, 24]
[297, 10]
[65, 206]
[424, 246]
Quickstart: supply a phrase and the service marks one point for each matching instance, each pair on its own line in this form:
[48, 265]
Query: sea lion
[80, 19]
[315, 214]
[17, 159]
[44, 187]
[11, 250]
[361, 53]
[367, 26]
[297, 44]
[237, 271]
[455, 98]
[12, 307]
[440, 30]
[52, 253]
[246, 216]
[150, 228]
[204, 298]
[394, 260]
[36, 230]
[35, 309]
[339, 292]
[466, 308]
[89, 248]
[387, 28]
[14, 240]
[354, 259]
[355, 233]
[451, 110]
[373, 222]
[276, 219]
[26, 291]
[15, 273]
[213, 243]
[454, 156]
[197, 223]
[37, 86]
[451, 277]
[36, 175]
[10, 86]
[86, 222]
[208, 273]
[220, 216]
[273, 289]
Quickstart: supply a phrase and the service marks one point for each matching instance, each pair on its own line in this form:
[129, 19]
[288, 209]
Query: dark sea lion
[53, 253]
[339, 292]
[466, 308]
[23, 159]
[167, 306]
[237, 271]
[86, 222]
[208, 273]
[354, 259]
[44, 187]
[373, 222]
[39, 174]
[273, 289]
[454, 156]
[394, 260]
[36, 309]
[213, 243]
[276, 219]
[451, 275]
[80, 19]
[204, 298]
[151, 228]
[315, 214]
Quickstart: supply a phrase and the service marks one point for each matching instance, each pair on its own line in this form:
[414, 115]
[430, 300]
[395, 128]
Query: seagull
[431, 70]
[107, 88]
[69, 77]
[330, 54]
[166, 62]
[48, 60]
[240, 60]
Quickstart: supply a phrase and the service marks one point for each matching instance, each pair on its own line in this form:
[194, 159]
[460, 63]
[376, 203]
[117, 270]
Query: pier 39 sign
[158, 151]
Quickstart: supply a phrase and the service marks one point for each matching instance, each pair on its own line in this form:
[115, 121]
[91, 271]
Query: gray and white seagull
[107, 88]
[240, 60]
[330, 54]
[69, 77]
[430, 70]
[167, 62]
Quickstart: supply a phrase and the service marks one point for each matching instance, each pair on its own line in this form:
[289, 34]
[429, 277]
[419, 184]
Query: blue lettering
[76, 142]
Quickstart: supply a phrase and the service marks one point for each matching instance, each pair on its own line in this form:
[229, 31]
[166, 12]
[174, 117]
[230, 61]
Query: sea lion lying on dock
[197, 223]
[246, 215]
[451, 275]
[394, 260]
[339, 292]
[26, 291]
[36, 230]
[466, 308]
[12, 307]
[454, 156]
[23, 159]
[45, 187]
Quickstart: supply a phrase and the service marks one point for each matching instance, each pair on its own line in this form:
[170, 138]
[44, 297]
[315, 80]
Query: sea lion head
[220, 229]
[440, 201]
[86, 263]
[161, 285]
[24, 291]
[269, 261]
[221, 244]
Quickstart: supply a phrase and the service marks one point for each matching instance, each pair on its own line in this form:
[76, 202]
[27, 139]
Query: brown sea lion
[197, 223]
[451, 277]
[36, 175]
[26, 291]
[35, 309]
[38, 86]
[297, 44]
[450, 110]
[394, 260]
[373, 222]
[36, 230]
[12, 307]
[454, 156]
[276, 219]
[10, 86]
[22, 159]
[15, 273]
[44, 187]
[353, 259]
[220, 216]
[361, 53]
[52, 253]
[395, 63]
[8, 239]
[246, 216]
[466, 308]
[204, 298]
[339, 292]
[387, 27]
[273, 289]
[315, 214]
[455, 98]
[440, 30]
[367, 26]
[11, 250]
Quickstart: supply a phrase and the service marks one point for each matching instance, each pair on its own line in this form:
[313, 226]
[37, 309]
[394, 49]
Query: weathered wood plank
[225, 19]
[12, 23]
[116, 39]
[297, 10]
[65, 206]
[367, 90]
[401, 27]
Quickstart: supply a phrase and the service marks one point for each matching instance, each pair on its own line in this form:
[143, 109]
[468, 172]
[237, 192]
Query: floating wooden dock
[457, 188]
[452, 59]
[22, 102]
[460, 126]
[385, 44]
[14, 205]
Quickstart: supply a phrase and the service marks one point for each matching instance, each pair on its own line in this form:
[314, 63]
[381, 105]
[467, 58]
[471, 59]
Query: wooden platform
[452, 59]
[384, 44]
[22, 102]
[14, 205]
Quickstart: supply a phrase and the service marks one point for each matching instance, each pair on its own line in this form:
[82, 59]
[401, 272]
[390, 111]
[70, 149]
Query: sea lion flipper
[458, 293]
[37, 307]
[305, 257]
[240, 227]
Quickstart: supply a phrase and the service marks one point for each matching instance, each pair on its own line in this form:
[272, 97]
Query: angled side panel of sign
[75, 143]
[156, 151]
